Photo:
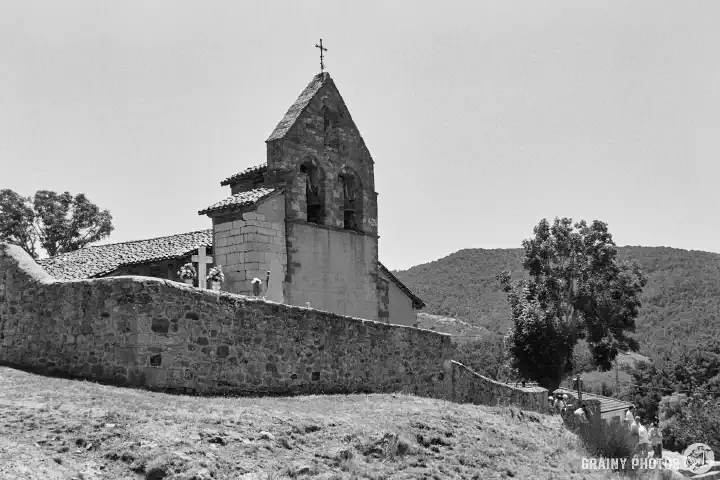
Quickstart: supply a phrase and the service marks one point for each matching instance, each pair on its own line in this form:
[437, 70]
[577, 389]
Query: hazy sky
[482, 117]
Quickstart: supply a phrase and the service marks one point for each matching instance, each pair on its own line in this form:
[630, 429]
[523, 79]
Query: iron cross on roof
[322, 49]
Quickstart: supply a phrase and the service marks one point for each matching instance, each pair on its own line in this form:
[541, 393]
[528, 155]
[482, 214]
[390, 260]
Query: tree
[577, 290]
[59, 223]
[486, 356]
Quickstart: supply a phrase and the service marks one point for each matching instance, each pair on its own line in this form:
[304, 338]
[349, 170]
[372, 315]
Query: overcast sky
[482, 117]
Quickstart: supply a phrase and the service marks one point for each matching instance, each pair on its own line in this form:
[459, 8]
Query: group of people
[561, 402]
[642, 438]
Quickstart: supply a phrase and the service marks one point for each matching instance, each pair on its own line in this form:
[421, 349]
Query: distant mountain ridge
[681, 302]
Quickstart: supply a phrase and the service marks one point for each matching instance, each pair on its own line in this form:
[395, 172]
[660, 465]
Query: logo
[699, 458]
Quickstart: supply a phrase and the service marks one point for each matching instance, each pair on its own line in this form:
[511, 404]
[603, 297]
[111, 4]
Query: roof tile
[239, 199]
[248, 172]
[98, 260]
[607, 404]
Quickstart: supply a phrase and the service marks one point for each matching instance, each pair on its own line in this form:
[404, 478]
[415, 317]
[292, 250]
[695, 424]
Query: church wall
[331, 269]
[244, 243]
[400, 306]
[140, 331]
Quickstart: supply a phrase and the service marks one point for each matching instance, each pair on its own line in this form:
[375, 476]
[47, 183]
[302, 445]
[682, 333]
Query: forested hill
[681, 301]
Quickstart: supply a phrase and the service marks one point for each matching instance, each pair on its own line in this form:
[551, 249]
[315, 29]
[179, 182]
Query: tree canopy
[577, 290]
[59, 223]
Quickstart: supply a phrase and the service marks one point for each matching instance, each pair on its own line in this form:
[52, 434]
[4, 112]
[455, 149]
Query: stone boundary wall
[140, 331]
[159, 334]
[471, 387]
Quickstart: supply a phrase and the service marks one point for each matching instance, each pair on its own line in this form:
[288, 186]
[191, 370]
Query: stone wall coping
[500, 384]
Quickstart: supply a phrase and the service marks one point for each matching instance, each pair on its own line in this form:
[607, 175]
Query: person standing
[582, 419]
[656, 439]
[560, 405]
[643, 439]
[629, 415]
[635, 433]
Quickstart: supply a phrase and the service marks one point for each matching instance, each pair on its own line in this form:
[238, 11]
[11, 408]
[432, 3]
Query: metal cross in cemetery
[322, 49]
[202, 259]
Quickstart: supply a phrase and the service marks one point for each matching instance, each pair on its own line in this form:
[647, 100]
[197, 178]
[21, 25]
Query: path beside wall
[141, 331]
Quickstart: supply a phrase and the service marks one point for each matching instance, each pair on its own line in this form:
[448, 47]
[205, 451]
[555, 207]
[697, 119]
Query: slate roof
[99, 260]
[248, 172]
[298, 107]
[417, 303]
[239, 200]
[607, 404]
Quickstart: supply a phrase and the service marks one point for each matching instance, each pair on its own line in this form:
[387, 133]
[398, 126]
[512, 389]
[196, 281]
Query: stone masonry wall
[326, 133]
[245, 242]
[471, 387]
[156, 333]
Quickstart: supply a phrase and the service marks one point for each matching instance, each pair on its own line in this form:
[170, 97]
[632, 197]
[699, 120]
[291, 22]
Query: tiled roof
[98, 260]
[239, 200]
[607, 404]
[297, 108]
[248, 172]
[417, 303]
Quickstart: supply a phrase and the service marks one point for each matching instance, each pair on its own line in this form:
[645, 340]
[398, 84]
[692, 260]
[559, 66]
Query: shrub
[609, 441]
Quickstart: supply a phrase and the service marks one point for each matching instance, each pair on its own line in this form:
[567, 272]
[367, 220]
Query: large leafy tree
[577, 289]
[59, 223]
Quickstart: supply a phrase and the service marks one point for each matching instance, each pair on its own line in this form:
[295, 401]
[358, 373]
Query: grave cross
[202, 259]
[322, 49]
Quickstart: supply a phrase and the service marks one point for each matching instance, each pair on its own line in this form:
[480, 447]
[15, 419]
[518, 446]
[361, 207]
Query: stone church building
[310, 208]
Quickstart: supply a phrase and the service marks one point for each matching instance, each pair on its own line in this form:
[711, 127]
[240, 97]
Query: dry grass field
[53, 428]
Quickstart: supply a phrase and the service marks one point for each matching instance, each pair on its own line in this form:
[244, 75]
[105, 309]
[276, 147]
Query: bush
[609, 441]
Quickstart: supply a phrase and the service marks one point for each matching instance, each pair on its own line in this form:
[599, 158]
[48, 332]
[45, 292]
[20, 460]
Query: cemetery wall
[245, 242]
[139, 331]
[471, 387]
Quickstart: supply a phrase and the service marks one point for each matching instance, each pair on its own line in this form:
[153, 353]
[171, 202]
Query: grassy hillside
[461, 331]
[62, 429]
[681, 299]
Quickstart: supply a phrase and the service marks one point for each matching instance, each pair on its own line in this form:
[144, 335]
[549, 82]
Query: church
[308, 215]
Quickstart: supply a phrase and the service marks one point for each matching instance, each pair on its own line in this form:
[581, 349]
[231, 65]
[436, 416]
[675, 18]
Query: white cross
[202, 259]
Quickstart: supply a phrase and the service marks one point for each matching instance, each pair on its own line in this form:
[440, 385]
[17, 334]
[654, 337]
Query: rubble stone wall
[471, 387]
[140, 331]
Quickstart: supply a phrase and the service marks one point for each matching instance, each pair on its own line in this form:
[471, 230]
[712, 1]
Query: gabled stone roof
[417, 303]
[99, 260]
[248, 172]
[297, 108]
[239, 200]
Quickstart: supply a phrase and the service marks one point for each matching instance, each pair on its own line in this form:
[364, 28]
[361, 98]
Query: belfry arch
[352, 199]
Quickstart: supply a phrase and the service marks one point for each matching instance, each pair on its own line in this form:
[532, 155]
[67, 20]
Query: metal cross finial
[322, 49]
